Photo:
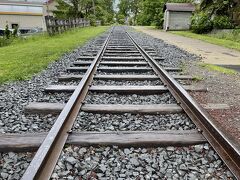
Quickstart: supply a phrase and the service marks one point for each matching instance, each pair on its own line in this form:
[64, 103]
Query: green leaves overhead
[97, 9]
[143, 12]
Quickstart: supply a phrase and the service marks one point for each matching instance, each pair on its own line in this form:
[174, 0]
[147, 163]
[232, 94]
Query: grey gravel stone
[127, 121]
[104, 98]
[118, 164]
[71, 160]
[127, 83]
[13, 165]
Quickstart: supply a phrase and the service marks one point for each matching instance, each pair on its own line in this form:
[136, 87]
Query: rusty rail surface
[45, 159]
[229, 152]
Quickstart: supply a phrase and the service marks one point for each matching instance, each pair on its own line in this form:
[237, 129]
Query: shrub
[92, 19]
[7, 32]
[200, 23]
[222, 22]
[121, 19]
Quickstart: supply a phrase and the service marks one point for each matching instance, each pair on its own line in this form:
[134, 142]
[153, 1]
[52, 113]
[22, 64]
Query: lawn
[23, 58]
[220, 69]
[228, 40]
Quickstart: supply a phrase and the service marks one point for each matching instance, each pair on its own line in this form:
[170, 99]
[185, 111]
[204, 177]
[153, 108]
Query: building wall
[178, 20]
[24, 21]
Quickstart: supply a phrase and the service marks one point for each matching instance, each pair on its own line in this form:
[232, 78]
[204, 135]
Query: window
[14, 26]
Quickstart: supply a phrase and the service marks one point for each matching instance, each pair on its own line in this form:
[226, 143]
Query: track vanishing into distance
[119, 69]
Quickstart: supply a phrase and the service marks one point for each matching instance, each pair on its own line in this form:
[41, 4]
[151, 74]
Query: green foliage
[200, 23]
[225, 39]
[120, 19]
[31, 55]
[220, 69]
[180, 1]
[151, 13]
[92, 19]
[5, 42]
[144, 12]
[101, 9]
[7, 32]
[220, 12]
[232, 35]
[222, 22]
[124, 7]
[66, 10]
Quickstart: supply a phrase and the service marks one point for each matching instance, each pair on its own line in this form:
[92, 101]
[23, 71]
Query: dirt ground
[210, 53]
[222, 88]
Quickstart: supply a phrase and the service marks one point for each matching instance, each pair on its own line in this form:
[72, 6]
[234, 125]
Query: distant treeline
[89, 9]
[150, 12]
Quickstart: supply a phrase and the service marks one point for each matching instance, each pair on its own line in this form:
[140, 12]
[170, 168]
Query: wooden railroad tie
[31, 142]
[55, 108]
[121, 89]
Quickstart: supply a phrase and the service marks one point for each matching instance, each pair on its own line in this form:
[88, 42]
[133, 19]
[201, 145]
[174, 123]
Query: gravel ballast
[104, 98]
[194, 162]
[127, 83]
[149, 72]
[173, 59]
[129, 122]
[13, 165]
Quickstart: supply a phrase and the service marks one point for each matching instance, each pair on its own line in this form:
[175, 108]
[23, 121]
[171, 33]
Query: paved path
[212, 54]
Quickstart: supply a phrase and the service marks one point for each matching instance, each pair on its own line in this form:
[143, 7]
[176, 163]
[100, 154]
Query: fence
[55, 25]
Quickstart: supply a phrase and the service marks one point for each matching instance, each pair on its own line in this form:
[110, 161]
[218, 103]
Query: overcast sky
[115, 4]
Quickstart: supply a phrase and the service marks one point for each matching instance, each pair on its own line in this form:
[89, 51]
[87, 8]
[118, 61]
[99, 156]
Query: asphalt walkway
[211, 54]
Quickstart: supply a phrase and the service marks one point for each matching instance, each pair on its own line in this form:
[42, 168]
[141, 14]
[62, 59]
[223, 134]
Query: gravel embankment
[104, 98]
[13, 165]
[129, 122]
[194, 162]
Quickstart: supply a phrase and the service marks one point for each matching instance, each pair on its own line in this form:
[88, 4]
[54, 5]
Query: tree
[218, 13]
[91, 9]
[7, 32]
[144, 12]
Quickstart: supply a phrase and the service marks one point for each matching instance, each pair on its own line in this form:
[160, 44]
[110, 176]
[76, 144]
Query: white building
[25, 13]
[177, 16]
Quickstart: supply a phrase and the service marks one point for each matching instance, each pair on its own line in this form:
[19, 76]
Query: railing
[55, 26]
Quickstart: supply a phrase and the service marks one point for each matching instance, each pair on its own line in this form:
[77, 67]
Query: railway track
[110, 89]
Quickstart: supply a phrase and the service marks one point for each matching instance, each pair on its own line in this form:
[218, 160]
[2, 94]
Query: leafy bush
[92, 19]
[222, 22]
[121, 19]
[200, 23]
[7, 32]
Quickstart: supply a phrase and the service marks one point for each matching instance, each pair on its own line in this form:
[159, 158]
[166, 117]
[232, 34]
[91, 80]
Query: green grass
[229, 43]
[212, 67]
[23, 58]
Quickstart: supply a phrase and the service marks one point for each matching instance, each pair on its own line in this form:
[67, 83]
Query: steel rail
[45, 159]
[226, 149]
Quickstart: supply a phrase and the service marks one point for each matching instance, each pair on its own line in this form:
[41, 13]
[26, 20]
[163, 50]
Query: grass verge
[212, 67]
[22, 59]
[210, 39]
